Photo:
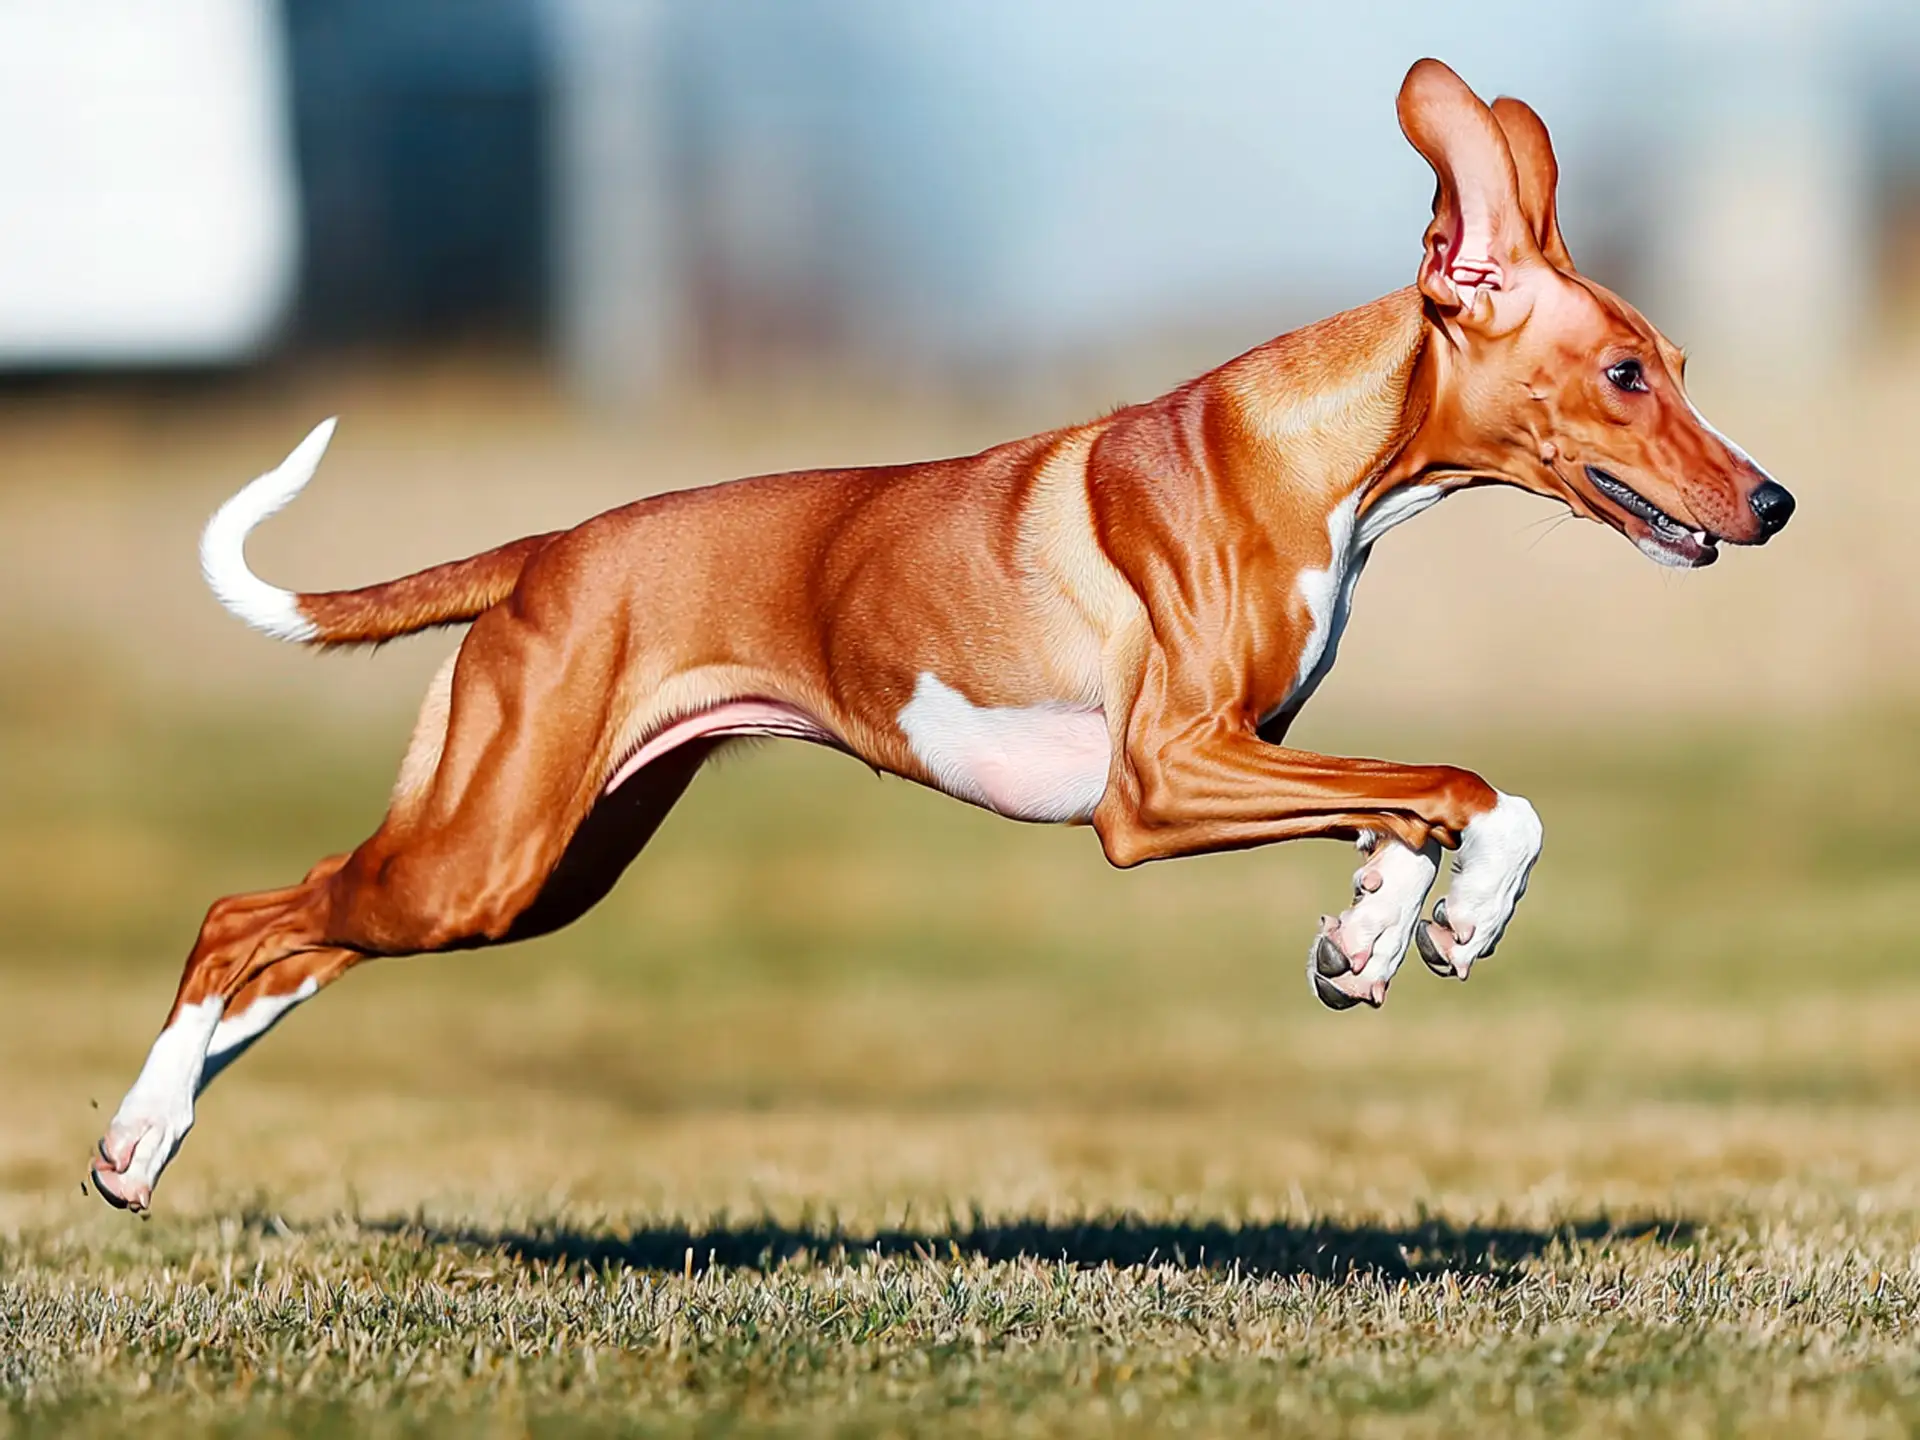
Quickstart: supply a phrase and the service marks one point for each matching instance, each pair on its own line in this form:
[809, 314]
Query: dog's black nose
[1772, 507]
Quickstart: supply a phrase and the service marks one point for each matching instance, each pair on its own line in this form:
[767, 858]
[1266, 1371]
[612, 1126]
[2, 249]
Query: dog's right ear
[1538, 173]
[1480, 244]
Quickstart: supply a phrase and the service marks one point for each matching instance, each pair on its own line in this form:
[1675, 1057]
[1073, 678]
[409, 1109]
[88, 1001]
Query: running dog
[1110, 625]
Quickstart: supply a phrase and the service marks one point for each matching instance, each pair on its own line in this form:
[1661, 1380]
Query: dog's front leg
[1187, 783]
[1356, 952]
[1497, 854]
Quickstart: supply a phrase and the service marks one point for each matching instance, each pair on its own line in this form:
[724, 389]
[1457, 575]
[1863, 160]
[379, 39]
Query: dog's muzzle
[1667, 540]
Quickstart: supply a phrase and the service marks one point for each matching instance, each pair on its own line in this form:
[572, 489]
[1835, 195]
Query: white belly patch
[1033, 762]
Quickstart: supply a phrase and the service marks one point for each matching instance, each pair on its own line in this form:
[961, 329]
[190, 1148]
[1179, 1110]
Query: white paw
[133, 1152]
[1490, 875]
[158, 1112]
[1355, 955]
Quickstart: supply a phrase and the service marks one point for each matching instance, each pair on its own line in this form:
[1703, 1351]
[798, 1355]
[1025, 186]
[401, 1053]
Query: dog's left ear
[1480, 248]
[1538, 173]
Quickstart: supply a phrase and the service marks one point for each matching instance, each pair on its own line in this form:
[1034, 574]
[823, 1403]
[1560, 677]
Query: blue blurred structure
[422, 154]
[653, 189]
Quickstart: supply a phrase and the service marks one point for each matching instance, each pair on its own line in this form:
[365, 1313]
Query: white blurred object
[147, 191]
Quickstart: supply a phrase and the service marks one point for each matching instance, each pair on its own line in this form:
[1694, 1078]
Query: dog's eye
[1627, 375]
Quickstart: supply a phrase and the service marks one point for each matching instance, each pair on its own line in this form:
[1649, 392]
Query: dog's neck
[1351, 408]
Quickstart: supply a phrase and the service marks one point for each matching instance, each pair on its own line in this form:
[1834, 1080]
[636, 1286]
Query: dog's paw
[157, 1113]
[133, 1152]
[1355, 954]
[1497, 853]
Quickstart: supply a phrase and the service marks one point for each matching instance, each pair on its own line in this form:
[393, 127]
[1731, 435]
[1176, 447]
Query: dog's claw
[1331, 995]
[1329, 960]
[1328, 966]
[1430, 952]
[100, 1188]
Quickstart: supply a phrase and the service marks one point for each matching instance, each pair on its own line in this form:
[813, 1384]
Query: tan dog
[1112, 624]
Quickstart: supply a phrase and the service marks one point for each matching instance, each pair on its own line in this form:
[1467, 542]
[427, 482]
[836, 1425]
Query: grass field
[855, 1110]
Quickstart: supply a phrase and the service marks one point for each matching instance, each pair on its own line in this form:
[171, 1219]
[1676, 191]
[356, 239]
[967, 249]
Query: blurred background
[643, 193]
[545, 256]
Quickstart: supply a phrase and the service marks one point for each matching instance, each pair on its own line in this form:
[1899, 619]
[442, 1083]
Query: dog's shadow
[1322, 1249]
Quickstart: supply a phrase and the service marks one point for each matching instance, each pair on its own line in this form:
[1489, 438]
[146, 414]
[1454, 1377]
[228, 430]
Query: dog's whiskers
[1552, 523]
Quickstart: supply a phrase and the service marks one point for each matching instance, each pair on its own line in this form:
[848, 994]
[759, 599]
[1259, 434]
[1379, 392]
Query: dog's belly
[1035, 762]
[730, 720]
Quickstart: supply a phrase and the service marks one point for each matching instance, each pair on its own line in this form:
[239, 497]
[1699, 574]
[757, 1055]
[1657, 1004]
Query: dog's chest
[1325, 593]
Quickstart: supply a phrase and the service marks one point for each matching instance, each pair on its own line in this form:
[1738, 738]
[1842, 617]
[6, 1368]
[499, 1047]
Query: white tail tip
[223, 558]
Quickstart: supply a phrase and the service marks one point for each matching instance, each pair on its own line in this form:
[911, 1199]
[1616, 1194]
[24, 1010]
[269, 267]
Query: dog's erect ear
[1479, 245]
[1538, 173]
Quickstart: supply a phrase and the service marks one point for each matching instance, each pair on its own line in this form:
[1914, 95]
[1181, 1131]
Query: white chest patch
[1328, 596]
[1034, 762]
[1327, 593]
[1401, 503]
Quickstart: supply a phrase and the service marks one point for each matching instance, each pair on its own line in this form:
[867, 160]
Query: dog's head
[1548, 380]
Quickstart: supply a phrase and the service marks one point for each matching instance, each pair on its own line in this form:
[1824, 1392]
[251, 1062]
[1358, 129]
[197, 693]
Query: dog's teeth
[1700, 537]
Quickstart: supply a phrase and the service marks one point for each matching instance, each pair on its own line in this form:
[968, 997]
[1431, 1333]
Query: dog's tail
[440, 595]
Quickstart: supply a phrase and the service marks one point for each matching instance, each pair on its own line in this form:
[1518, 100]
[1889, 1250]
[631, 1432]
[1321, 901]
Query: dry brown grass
[855, 1110]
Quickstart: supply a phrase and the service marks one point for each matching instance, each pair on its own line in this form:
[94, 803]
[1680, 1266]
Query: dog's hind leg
[615, 830]
[509, 835]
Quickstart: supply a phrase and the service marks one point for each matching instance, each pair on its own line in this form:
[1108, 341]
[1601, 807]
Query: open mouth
[1666, 540]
